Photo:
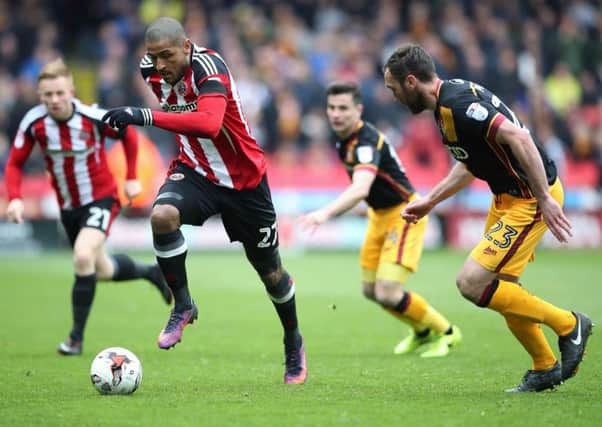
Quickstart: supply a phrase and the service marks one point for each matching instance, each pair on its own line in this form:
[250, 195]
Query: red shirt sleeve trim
[494, 125]
[369, 168]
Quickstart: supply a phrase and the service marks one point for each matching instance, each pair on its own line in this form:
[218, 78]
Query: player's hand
[555, 219]
[416, 209]
[14, 211]
[311, 221]
[121, 117]
[132, 188]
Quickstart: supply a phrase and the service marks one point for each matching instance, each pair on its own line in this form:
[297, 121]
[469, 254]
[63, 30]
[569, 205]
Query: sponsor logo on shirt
[365, 154]
[477, 111]
[191, 106]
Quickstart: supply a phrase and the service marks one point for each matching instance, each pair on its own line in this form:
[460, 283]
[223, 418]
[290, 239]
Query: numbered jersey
[469, 116]
[367, 148]
[232, 159]
[74, 151]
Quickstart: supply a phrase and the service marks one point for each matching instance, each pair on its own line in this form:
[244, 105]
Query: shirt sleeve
[19, 153]
[206, 122]
[479, 119]
[367, 152]
[130, 148]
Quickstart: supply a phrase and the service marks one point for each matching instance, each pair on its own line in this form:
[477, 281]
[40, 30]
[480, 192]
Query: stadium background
[544, 58]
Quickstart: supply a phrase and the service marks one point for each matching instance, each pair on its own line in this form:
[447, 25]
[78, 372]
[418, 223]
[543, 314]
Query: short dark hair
[165, 28]
[411, 59]
[338, 88]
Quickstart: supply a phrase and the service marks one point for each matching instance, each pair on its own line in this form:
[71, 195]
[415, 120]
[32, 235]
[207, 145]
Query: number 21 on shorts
[99, 218]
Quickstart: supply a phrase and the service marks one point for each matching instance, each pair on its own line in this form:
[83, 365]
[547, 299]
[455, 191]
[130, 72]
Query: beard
[415, 101]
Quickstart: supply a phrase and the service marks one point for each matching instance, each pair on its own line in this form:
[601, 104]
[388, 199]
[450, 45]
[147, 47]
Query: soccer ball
[116, 370]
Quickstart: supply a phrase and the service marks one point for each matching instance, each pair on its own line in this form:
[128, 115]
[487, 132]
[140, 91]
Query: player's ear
[187, 46]
[411, 80]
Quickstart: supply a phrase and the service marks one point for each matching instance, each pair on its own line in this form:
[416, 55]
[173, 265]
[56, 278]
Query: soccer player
[490, 143]
[392, 247]
[72, 138]
[220, 169]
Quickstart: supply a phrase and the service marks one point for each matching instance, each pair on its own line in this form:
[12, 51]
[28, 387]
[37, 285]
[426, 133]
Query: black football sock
[82, 296]
[283, 298]
[128, 269]
[171, 250]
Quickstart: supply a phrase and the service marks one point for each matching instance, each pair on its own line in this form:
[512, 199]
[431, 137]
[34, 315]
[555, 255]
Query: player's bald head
[165, 28]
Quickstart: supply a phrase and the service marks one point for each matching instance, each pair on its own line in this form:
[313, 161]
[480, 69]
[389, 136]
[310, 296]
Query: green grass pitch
[228, 369]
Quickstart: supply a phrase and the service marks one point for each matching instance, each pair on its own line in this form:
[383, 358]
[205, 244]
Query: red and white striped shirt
[230, 158]
[74, 151]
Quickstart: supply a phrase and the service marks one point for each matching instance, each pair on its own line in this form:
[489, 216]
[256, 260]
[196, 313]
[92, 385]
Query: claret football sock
[509, 298]
[82, 296]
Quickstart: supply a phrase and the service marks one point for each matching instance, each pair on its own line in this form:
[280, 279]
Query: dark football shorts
[248, 215]
[99, 214]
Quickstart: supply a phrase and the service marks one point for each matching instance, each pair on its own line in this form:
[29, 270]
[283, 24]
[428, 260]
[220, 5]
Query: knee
[468, 288]
[83, 259]
[165, 219]
[388, 293]
[368, 290]
[272, 279]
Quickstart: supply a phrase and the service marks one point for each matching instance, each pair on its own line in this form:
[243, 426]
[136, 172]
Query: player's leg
[487, 279]
[88, 240]
[482, 287]
[399, 256]
[184, 198]
[528, 333]
[280, 288]
[250, 218]
[377, 232]
[86, 228]
[121, 267]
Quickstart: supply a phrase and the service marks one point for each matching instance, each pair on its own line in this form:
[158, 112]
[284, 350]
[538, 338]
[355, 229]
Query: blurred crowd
[543, 58]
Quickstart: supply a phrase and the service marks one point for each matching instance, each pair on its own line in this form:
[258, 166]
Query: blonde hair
[54, 69]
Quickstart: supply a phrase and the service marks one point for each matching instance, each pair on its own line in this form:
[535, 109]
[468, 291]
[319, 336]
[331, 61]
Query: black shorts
[99, 214]
[248, 215]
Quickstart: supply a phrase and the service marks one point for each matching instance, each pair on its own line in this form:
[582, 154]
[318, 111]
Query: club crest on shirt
[477, 111]
[176, 176]
[84, 136]
[181, 88]
[364, 154]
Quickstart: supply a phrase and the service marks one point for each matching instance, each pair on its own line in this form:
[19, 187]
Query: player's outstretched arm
[358, 190]
[206, 122]
[457, 178]
[526, 153]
